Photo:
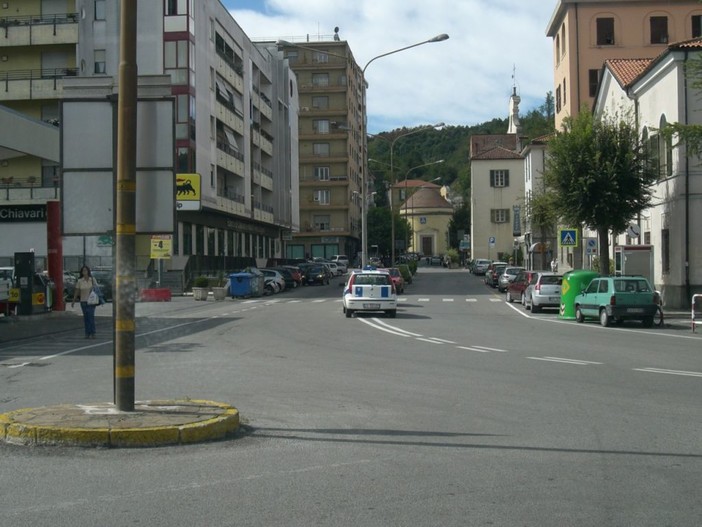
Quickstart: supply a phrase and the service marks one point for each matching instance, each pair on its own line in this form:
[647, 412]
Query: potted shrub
[201, 286]
[220, 290]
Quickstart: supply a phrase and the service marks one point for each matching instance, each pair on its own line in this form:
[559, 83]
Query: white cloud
[465, 80]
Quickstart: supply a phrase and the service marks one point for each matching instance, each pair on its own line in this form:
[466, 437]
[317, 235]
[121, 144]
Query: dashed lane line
[670, 372]
[565, 361]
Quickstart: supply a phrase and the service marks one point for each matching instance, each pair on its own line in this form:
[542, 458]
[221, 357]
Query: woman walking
[84, 285]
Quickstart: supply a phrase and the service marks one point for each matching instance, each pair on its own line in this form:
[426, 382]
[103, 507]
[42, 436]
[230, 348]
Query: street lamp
[364, 219]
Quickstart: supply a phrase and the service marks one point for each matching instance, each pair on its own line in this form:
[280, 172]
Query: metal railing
[39, 20]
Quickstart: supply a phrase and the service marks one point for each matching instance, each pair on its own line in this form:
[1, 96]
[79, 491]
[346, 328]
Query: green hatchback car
[616, 299]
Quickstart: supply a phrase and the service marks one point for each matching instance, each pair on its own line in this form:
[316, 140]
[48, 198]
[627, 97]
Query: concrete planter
[200, 293]
[219, 293]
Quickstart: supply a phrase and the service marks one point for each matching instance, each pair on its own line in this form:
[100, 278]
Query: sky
[493, 46]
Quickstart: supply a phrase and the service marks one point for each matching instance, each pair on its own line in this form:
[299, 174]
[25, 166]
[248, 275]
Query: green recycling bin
[573, 282]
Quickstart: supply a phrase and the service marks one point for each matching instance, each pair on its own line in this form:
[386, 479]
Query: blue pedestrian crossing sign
[568, 237]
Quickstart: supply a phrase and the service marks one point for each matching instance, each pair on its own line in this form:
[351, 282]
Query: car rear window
[631, 286]
[371, 279]
[551, 280]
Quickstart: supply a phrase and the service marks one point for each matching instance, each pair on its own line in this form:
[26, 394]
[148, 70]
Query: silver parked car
[544, 290]
[509, 274]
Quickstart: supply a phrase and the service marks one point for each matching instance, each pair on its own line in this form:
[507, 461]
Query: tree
[600, 175]
[459, 221]
[380, 230]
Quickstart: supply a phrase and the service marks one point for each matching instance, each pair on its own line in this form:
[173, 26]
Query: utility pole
[125, 221]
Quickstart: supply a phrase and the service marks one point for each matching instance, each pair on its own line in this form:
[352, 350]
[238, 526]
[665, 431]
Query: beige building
[497, 194]
[585, 33]
[428, 214]
[330, 147]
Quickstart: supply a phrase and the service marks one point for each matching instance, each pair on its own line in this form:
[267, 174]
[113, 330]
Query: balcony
[39, 30]
[230, 159]
[25, 192]
[34, 84]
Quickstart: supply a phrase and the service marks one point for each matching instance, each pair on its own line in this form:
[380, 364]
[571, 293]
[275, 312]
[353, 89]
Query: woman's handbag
[95, 297]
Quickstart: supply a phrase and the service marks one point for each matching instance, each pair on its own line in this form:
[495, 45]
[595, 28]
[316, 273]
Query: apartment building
[655, 93]
[585, 33]
[235, 106]
[331, 146]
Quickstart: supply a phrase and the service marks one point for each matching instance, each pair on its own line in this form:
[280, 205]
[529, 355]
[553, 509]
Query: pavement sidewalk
[152, 423]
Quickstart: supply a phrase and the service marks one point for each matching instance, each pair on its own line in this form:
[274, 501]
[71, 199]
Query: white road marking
[376, 326]
[447, 299]
[442, 340]
[490, 349]
[471, 299]
[422, 300]
[430, 341]
[472, 349]
[670, 372]
[564, 361]
[495, 300]
[319, 300]
[382, 323]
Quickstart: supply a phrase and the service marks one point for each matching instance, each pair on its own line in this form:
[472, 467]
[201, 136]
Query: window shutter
[492, 179]
[492, 215]
[506, 215]
[506, 178]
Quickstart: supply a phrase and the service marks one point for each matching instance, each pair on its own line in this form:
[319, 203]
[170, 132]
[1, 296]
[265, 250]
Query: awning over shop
[538, 247]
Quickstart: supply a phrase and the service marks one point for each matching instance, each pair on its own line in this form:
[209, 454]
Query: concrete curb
[153, 423]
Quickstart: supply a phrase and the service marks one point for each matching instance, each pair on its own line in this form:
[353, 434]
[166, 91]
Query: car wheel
[392, 313]
[604, 318]
[348, 313]
[523, 299]
[535, 308]
[647, 322]
[508, 297]
[579, 317]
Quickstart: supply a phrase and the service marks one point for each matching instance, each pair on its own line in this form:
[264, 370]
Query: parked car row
[607, 299]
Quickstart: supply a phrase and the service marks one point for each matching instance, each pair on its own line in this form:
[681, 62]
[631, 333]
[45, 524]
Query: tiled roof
[694, 43]
[497, 152]
[627, 71]
[412, 183]
[482, 143]
[426, 198]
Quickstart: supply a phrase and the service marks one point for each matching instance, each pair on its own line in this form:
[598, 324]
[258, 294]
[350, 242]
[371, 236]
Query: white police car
[370, 290]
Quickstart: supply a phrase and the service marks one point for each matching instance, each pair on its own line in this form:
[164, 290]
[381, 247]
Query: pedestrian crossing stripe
[568, 237]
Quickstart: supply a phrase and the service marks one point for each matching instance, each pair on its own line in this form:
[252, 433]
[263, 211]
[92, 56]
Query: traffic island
[152, 423]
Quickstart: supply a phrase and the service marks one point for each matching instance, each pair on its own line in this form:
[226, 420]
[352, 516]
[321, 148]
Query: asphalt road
[463, 410]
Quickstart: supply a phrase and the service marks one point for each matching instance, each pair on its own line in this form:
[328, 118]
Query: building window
[320, 126]
[593, 81]
[322, 197]
[322, 222]
[605, 31]
[558, 99]
[99, 9]
[565, 91]
[320, 79]
[320, 57]
[320, 102]
[320, 149]
[665, 250]
[659, 30]
[292, 57]
[653, 154]
[696, 26]
[499, 178]
[563, 39]
[558, 49]
[499, 215]
[100, 64]
[187, 239]
[321, 173]
[176, 7]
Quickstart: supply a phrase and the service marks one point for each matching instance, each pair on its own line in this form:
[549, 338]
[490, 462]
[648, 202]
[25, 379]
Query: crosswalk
[421, 300]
